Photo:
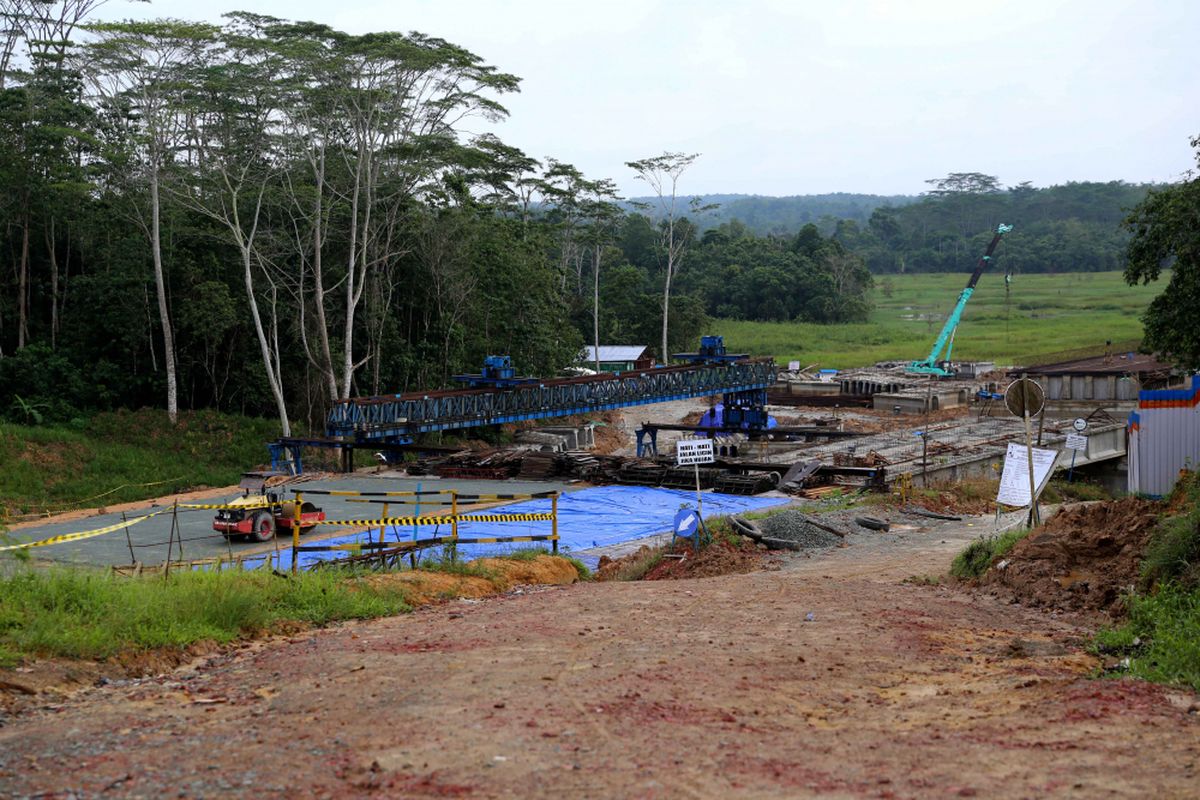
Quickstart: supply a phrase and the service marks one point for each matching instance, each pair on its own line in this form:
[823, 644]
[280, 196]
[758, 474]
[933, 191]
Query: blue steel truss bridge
[397, 419]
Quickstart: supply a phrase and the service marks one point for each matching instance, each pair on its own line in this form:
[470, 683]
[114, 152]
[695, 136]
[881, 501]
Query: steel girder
[374, 418]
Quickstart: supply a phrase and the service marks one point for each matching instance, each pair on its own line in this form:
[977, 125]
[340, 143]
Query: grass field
[1042, 314]
[55, 467]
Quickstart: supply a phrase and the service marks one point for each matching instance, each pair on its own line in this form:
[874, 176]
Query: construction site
[619, 538]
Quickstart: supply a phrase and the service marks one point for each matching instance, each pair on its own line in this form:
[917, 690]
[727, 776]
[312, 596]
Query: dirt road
[708, 688]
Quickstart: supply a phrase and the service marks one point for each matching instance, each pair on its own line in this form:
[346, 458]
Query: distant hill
[787, 215]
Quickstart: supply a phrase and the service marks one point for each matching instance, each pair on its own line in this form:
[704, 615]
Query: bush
[975, 559]
[1059, 491]
[1173, 553]
[1160, 637]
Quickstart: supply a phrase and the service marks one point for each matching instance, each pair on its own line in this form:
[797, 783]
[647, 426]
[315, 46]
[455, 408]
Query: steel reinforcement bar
[394, 416]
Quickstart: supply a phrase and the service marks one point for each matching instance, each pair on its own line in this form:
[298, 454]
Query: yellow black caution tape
[226, 506]
[415, 544]
[534, 496]
[72, 537]
[501, 539]
[350, 493]
[375, 523]
[505, 517]
[446, 519]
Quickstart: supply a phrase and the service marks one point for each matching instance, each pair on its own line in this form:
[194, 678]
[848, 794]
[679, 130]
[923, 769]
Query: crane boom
[933, 364]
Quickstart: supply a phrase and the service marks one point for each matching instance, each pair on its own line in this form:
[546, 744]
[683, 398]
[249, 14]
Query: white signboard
[1076, 442]
[1014, 480]
[793, 366]
[694, 451]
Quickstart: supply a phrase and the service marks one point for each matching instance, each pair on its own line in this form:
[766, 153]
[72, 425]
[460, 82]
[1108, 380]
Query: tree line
[269, 216]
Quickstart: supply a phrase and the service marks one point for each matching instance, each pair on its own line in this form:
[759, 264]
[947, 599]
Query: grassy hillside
[1042, 314]
[50, 468]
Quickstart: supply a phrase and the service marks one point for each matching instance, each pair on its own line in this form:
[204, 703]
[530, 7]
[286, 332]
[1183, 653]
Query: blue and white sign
[687, 522]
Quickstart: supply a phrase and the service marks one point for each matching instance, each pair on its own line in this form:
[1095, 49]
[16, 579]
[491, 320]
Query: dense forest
[268, 216]
[1075, 227]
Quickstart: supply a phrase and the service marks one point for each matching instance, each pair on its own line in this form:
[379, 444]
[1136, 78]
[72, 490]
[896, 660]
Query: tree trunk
[161, 289]
[264, 346]
[319, 284]
[596, 304]
[667, 284]
[53, 285]
[23, 288]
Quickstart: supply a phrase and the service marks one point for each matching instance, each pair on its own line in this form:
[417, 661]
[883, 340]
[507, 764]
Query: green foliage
[1160, 636]
[1173, 553]
[52, 467]
[1165, 234]
[1078, 491]
[581, 569]
[979, 555]
[84, 614]
[636, 568]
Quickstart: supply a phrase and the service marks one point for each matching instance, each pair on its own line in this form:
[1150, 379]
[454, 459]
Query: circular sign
[1080, 424]
[686, 522]
[1024, 396]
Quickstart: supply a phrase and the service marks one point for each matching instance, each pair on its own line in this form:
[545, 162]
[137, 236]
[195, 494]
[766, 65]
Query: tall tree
[662, 174]
[228, 112]
[1166, 234]
[603, 215]
[138, 71]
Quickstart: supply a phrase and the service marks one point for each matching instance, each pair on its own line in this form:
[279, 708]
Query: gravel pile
[793, 526]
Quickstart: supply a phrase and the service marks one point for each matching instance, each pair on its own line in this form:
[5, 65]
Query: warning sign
[1014, 480]
[694, 451]
[1076, 442]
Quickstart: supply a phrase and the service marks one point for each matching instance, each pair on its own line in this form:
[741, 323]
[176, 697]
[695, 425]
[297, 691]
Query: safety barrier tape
[494, 539]
[505, 517]
[349, 493]
[358, 547]
[403, 502]
[533, 496]
[461, 496]
[375, 523]
[226, 506]
[445, 519]
[72, 537]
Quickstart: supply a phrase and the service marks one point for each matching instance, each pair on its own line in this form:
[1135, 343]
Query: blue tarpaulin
[597, 517]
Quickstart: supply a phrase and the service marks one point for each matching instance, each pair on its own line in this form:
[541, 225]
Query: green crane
[934, 364]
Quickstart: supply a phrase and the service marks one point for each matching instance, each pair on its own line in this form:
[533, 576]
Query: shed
[618, 357]
[1076, 387]
[1164, 438]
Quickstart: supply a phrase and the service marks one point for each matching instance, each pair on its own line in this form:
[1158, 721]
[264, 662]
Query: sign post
[695, 452]
[1025, 398]
[1076, 442]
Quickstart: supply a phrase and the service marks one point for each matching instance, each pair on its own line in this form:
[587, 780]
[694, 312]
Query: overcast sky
[803, 97]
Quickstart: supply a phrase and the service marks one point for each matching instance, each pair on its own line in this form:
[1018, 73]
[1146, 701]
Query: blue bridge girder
[400, 417]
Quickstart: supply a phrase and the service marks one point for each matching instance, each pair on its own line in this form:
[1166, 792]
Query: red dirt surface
[717, 687]
[1083, 559]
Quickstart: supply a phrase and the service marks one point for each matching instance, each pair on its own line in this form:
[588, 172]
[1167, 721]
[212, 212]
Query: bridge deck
[397, 417]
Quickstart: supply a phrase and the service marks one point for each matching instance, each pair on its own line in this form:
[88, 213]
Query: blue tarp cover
[597, 517]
